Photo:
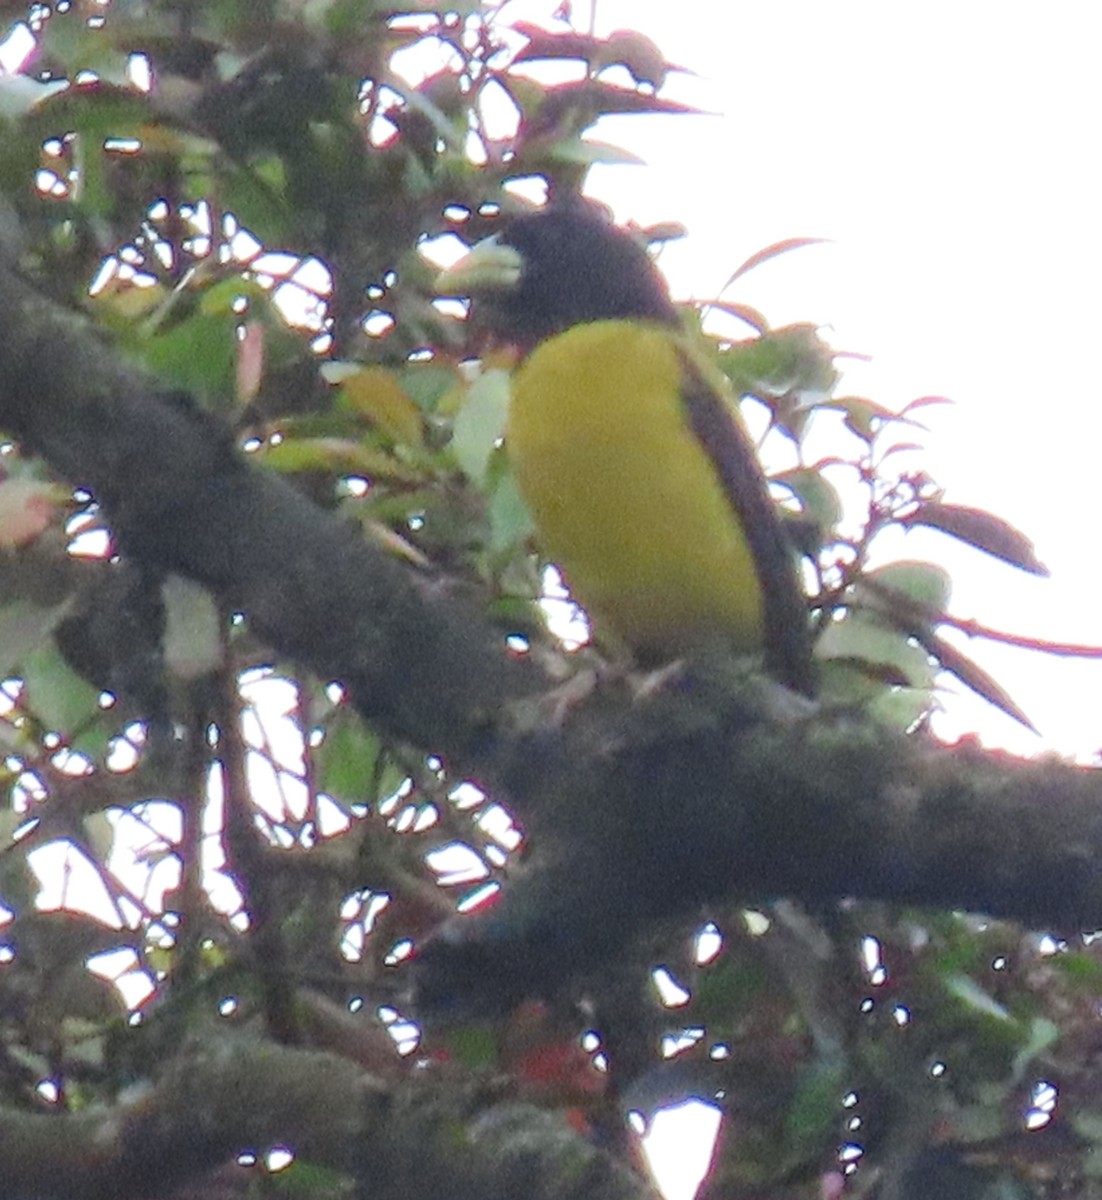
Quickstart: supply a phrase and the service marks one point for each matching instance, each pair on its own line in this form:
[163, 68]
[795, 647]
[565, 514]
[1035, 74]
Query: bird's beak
[489, 266]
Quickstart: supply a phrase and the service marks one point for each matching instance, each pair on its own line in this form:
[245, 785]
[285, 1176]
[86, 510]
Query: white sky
[951, 152]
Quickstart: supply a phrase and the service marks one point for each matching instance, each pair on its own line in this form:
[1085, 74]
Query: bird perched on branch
[627, 446]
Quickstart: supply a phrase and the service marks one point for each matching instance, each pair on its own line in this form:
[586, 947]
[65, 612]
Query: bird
[644, 486]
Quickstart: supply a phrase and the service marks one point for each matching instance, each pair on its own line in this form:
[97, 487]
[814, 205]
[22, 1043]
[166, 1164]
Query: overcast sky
[951, 154]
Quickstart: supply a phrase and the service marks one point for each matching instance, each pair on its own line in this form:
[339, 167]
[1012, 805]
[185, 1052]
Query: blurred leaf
[980, 529]
[99, 834]
[71, 41]
[474, 1046]
[56, 694]
[813, 1111]
[198, 355]
[791, 359]
[969, 992]
[623, 47]
[819, 499]
[510, 519]
[376, 393]
[24, 628]
[427, 383]
[887, 655]
[911, 593]
[901, 707]
[863, 416]
[924, 402]
[1043, 1035]
[397, 545]
[257, 194]
[974, 1123]
[568, 109]
[480, 424]
[27, 508]
[19, 94]
[743, 312]
[1083, 970]
[192, 643]
[294, 454]
[778, 248]
[125, 303]
[637, 53]
[1088, 1124]
[972, 675]
[347, 760]
[222, 298]
[250, 362]
[589, 152]
[729, 986]
[101, 114]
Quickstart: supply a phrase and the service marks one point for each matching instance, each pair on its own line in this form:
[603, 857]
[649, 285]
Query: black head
[574, 266]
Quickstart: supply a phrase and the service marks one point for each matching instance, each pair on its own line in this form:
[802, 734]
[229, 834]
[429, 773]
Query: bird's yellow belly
[625, 498]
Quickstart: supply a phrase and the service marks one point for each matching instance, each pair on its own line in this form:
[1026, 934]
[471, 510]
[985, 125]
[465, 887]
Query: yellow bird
[627, 447]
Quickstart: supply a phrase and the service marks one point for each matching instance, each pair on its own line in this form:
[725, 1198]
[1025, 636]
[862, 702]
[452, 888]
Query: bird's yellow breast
[624, 496]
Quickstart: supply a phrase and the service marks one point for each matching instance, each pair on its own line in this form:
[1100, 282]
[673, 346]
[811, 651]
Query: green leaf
[480, 424]
[901, 707]
[791, 359]
[474, 1046]
[98, 113]
[863, 416]
[336, 454]
[257, 196]
[818, 498]
[908, 592]
[56, 694]
[73, 44]
[510, 520]
[427, 383]
[890, 655]
[24, 628]
[375, 393]
[969, 992]
[1042, 1035]
[815, 1107]
[197, 355]
[305, 1180]
[222, 299]
[346, 762]
[586, 152]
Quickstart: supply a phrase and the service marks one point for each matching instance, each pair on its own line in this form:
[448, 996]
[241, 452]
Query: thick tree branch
[427, 1138]
[416, 658]
[699, 794]
[702, 797]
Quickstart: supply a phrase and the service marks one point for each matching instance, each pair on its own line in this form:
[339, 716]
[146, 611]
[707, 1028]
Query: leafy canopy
[250, 201]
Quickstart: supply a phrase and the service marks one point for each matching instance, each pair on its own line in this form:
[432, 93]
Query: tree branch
[703, 796]
[415, 655]
[426, 1138]
[642, 808]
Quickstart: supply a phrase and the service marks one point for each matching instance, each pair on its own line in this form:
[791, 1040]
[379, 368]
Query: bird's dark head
[549, 270]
